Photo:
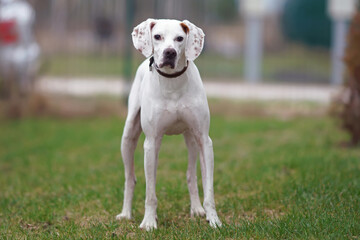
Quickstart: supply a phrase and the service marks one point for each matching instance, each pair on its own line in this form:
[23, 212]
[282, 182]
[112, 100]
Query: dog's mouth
[170, 64]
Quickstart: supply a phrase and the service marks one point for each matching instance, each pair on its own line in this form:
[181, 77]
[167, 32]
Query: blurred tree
[223, 11]
[306, 21]
[350, 111]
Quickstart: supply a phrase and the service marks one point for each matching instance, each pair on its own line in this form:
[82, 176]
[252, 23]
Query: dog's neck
[173, 87]
[168, 72]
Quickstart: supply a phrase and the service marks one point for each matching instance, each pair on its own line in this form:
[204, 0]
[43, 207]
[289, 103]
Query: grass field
[275, 178]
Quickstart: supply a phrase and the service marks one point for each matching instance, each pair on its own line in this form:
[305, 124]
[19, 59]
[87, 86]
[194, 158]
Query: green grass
[274, 179]
[294, 63]
[85, 65]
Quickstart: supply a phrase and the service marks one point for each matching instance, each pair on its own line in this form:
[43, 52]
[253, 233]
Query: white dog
[168, 97]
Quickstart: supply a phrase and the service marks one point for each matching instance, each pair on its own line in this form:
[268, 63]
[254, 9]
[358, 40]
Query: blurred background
[91, 37]
[296, 46]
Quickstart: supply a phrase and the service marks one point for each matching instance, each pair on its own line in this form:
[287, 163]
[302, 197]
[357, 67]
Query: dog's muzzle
[169, 57]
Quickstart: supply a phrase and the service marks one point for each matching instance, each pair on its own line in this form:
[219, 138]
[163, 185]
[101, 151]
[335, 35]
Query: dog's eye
[179, 39]
[157, 37]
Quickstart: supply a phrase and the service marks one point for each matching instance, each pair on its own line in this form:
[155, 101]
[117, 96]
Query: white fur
[158, 106]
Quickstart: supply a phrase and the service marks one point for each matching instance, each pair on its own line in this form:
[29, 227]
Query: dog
[168, 97]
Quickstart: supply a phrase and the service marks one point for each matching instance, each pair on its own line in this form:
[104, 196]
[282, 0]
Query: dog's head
[169, 41]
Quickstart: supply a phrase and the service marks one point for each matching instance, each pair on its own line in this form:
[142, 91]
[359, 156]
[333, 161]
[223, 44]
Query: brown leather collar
[167, 75]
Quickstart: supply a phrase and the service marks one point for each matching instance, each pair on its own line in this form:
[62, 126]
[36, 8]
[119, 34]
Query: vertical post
[130, 12]
[253, 48]
[58, 20]
[340, 11]
[254, 12]
[338, 49]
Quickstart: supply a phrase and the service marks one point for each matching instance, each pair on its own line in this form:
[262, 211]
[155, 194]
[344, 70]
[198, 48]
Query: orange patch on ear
[185, 27]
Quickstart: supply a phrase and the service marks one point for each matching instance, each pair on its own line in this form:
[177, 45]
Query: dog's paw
[197, 211]
[149, 223]
[215, 222]
[213, 219]
[123, 216]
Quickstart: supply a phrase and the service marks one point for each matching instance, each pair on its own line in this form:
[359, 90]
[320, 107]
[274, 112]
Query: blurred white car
[19, 52]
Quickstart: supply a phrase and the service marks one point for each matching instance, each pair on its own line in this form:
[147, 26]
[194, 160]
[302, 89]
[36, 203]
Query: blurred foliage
[350, 114]
[225, 10]
[307, 21]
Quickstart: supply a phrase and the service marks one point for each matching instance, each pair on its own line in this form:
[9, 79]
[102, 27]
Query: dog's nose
[169, 53]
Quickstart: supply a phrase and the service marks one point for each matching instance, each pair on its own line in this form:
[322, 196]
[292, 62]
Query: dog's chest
[170, 105]
[173, 90]
[174, 117]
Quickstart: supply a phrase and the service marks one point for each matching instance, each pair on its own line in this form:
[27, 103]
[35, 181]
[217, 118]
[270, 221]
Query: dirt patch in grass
[274, 213]
[279, 109]
[252, 216]
[128, 231]
[71, 107]
[62, 106]
[35, 226]
[91, 220]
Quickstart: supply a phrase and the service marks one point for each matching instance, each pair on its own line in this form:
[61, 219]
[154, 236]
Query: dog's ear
[141, 37]
[195, 40]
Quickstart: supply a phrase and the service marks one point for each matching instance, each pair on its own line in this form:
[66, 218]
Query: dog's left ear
[141, 37]
[195, 40]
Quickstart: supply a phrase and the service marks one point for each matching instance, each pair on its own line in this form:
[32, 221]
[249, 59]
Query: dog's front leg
[151, 152]
[206, 150]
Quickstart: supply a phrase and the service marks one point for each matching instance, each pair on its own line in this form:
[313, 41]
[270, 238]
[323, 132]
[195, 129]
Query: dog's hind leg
[196, 208]
[206, 150]
[130, 137]
[132, 131]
